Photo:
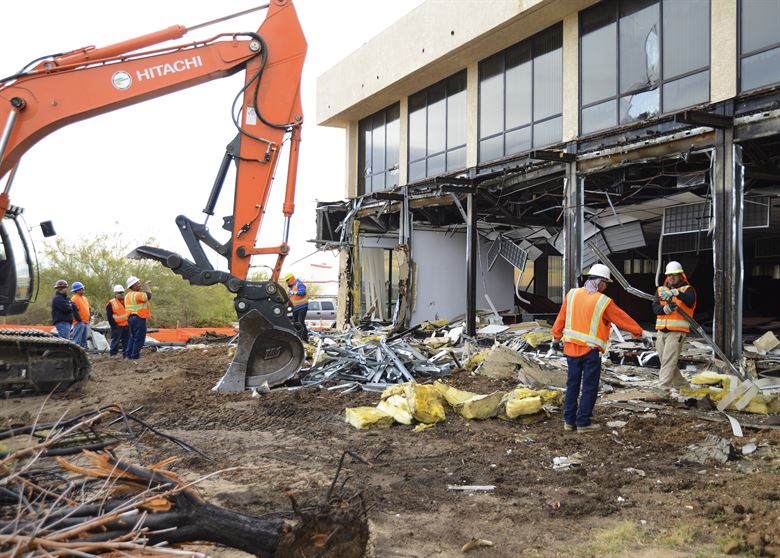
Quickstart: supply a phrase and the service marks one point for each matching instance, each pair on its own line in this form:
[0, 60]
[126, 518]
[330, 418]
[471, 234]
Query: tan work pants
[669, 345]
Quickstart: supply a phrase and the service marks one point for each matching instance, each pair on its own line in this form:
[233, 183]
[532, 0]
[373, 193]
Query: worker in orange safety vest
[299, 300]
[584, 322]
[671, 326]
[116, 314]
[80, 330]
[139, 310]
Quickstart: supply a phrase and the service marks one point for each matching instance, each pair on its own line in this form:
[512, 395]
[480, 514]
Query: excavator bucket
[266, 355]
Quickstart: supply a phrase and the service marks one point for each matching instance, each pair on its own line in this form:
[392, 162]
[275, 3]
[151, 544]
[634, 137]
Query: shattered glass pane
[640, 60]
[640, 106]
[687, 91]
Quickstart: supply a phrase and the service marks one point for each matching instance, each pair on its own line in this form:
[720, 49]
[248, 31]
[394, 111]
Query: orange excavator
[60, 89]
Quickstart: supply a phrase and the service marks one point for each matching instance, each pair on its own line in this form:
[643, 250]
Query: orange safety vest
[298, 295]
[82, 307]
[585, 324]
[674, 321]
[137, 303]
[118, 309]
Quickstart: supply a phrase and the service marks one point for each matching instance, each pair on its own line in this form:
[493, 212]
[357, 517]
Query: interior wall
[441, 277]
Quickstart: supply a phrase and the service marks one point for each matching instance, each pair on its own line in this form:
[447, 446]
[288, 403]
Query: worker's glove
[674, 292]
[668, 309]
[556, 346]
[665, 294]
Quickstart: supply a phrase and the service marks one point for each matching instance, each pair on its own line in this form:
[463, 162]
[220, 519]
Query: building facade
[490, 136]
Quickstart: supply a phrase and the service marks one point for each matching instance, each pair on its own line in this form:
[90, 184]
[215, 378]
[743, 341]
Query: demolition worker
[673, 296]
[584, 322]
[138, 311]
[299, 301]
[61, 309]
[80, 303]
[117, 319]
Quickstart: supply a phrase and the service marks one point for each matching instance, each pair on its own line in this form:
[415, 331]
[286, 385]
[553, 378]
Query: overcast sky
[163, 154]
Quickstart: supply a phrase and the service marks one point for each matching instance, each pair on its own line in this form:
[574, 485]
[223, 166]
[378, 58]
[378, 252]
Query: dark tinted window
[378, 141]
[327, 305]
[521, 96]
[437, 128]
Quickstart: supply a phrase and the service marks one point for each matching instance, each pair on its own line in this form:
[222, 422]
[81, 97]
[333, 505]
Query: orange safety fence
[174, 335]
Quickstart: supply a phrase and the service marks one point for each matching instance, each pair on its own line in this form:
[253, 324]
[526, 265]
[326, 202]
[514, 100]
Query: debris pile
[428, 404]
[97, 503]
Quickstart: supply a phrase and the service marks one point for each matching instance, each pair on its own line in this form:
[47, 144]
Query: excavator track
[35, 360]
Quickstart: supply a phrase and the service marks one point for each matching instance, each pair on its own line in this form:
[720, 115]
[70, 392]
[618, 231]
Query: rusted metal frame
[414, 203]
[727, 254]
[573, 219]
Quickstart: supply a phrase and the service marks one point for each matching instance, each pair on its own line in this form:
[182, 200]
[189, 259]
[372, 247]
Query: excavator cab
[17, 265]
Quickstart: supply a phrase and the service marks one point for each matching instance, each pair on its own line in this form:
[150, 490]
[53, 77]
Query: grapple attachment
[269, 351]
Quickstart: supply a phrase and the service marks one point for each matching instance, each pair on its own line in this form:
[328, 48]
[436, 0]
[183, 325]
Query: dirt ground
[630, 496]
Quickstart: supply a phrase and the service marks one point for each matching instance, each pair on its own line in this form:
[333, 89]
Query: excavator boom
[87, 82]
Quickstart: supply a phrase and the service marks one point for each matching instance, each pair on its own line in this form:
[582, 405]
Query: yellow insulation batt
[453, 396]
[481, 406]
[513, 407]
[425, 403]
[759, 404]
[397, 407]
[364, 418]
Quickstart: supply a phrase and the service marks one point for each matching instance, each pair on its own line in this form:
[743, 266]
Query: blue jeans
[119, 336]
[584, 371]
[137, 327]
[79, 334]
[63, 329]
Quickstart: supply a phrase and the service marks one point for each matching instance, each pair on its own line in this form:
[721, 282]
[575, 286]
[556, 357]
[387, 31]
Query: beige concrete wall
[571, 77]
[723, 50]
[352, 160]
[472, 114]
[434, 41]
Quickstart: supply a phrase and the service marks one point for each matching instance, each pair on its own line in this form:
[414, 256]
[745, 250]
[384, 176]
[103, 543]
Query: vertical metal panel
[573, 217]
[728, 202]
[471, 266]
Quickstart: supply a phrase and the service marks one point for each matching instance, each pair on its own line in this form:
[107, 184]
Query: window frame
[532, 123]
[447, 148]
[659, 85]
[742, 55]
[363, 179]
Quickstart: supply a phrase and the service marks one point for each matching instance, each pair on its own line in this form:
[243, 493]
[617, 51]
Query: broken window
[759, 43]
[437, 128]
[642, 58]
[521, 96]
[378, 148]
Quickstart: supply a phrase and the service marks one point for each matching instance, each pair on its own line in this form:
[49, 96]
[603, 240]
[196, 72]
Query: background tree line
[101, 262]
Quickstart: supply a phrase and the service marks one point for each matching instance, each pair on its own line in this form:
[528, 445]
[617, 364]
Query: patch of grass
[681, 537]
[611, 542]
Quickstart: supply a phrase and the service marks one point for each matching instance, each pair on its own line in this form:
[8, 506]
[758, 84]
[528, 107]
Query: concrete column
[573, 216]
[352, 159]
[472, 114]
[571, 77]
[723, 50]
[727, 208]
[403, 144]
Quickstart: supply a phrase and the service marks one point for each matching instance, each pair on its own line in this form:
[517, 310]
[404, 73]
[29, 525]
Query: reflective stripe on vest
[295, 299]
[136, 303]
[674, 321]
[118, 311]
[590, 337]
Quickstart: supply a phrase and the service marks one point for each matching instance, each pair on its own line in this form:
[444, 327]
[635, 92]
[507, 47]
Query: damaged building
[488, 144]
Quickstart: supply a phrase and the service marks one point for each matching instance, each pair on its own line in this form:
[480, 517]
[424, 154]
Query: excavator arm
[59, 90]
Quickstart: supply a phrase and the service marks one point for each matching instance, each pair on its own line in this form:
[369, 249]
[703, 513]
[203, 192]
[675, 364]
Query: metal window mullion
[661, 55]
[506, 103]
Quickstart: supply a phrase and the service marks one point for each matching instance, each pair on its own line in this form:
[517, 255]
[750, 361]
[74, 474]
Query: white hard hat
[673, 268]
[119, 289]
[132, 280]
[600, 270]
